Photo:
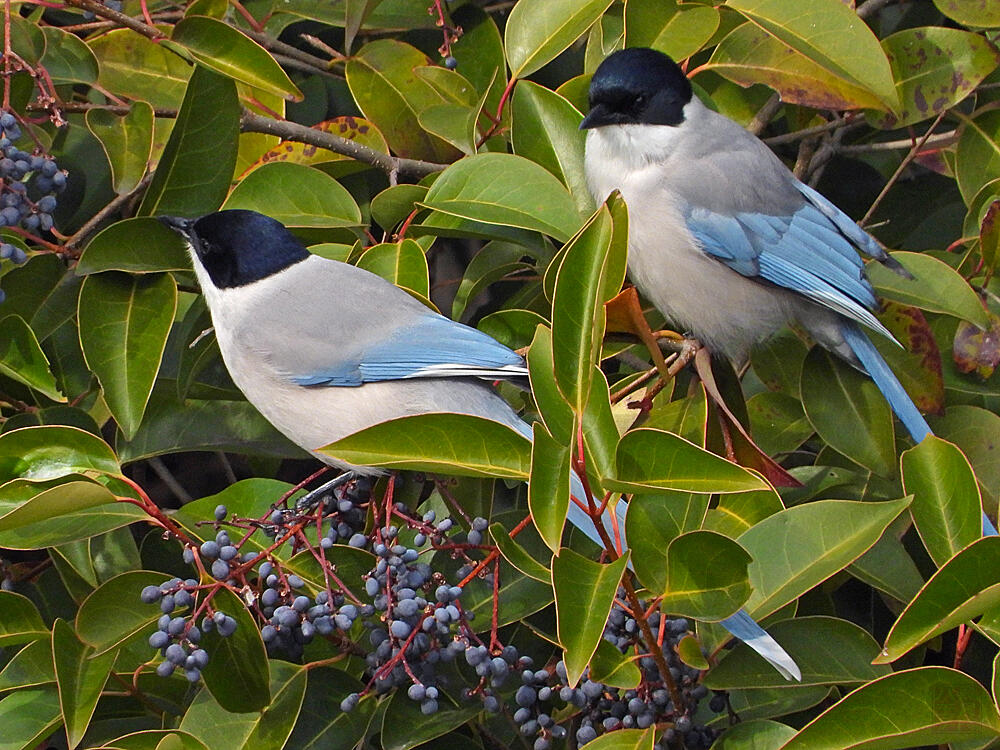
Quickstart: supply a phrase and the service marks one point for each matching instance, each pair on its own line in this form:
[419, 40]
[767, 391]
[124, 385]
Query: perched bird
[324, 349]
[723, 239]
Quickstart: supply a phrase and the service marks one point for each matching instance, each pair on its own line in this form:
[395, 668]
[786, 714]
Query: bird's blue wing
[805, 252]
[428, 345]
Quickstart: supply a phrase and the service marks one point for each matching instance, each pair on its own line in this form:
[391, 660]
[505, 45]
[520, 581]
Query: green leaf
[946, 507]
[545, 129]
[625, 739]
[653, 459]
[72, 526]
[556, 414]
[20, 621]
[778, 423]
[158, 739]
[504, 189]
[383, 82]
[67, 59]
[848, 411]
[519, 596]
[676, 30]
[267, 729]
[653, 521]
[31, 666]
[196, 167]
[317, 727]
[395, 203]
[829, 651]
[934, 68]
[297, 196]
[549, 487]
[686, 417]
[517, 555]
[963, 588]
[224, 49]
[818, 539]
[756, 734]
[28, 717]
[113, 614]
[22, 359]
[611, 667]
[479, 52]
[80, 676]
[904, 710]
[492, 263]
[404, 726]
[124, 323]
[830, 34]
[127, 140]
[749, 55]
[138, 68]
[402, 263]
[737, 512]
[446, 443]
[53, 502]
[706, 576]
[237, 673]
[936, 287]
[355, 13]
[40, 453]
[538, 30]
[974, 13]
[43, 292]
[137, 245]
[585, 591]
[977, 156]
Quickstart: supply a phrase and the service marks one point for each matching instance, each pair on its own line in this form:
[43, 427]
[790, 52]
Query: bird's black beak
[596, 118]
[179, 224]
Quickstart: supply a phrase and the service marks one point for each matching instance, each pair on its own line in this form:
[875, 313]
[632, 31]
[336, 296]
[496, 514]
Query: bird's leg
[311, 499]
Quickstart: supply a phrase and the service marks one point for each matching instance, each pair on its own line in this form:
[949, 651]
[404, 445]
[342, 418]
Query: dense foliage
[165, 586]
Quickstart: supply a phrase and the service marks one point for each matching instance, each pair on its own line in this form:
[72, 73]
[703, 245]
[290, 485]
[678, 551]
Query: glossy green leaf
[80, 676]
[686, 417]
[946, 507]
[53, 502]
[830, 34]
[492, 263]
[549, 487]
[611, 667]
[556, 414]
[545, 128]
[916, 707]
[972, 429]
[28, 717]
[395, 203]
[517, 555]
[848, 412]
[67, 59]
[448, 443]
[519, 596]
[226, 50]
[676, 30]
[113, 614]
[829, 651]
[479, 52]
[818, 539]
[267, 729]
[20, 621]
[508, 190]
[936, 287]
[770, 702]
[72, 526]
[917, 361]
[43, 292]
[404, 726]
[124, 323]
[317, 726]
[706, 576]
[653, 521]
[625, 739]
[139, 68]
[355, 14]
[888, 565]
[977, 156]
[657, 460]
[40, 453]
[383, 82]
[22, 359]
[127, 140]
[157, 739]
[750, 55]
[297, 196]
[778, 422]
[136, 245]
[974, 13]
[578, 309]
[756, 734]
[585, 591]
[402, 263]
[237, 674]
[195, 169]
[934, 69]
[538, 30]
[737, 512]
[962, 589]
[31, 666]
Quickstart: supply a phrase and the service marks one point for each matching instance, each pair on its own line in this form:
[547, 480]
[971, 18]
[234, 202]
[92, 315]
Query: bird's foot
[313, 498]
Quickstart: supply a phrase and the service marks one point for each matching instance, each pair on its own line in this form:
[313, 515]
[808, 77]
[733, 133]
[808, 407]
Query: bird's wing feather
[803, 252]
[428, 345]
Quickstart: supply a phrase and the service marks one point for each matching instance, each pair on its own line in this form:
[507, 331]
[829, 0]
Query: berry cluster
[177, 636]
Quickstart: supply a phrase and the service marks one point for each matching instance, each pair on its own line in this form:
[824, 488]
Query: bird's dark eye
[640, 100]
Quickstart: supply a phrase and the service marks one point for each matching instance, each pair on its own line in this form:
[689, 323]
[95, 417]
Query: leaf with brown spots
[989, 237]
[918, 363]
[976, 350]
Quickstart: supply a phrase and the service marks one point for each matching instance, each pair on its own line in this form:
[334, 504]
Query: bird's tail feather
[741, 624]
[893, 391]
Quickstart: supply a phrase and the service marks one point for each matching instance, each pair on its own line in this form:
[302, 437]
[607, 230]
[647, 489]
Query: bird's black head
[637, 86]
[238, 247]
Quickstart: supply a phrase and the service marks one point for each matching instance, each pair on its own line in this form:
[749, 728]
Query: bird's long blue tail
[893, 391]
[741, 625]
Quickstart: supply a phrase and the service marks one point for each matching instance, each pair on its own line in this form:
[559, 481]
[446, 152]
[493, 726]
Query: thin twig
[99, 9]
[798, 135]
[167, 477]
[97, 219]
[765, 114]
[938, 139]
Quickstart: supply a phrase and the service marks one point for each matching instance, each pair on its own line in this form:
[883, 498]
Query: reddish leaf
[989, 236]
[976, 350]
[918, 363]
